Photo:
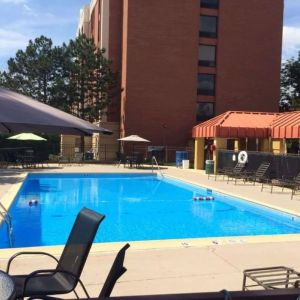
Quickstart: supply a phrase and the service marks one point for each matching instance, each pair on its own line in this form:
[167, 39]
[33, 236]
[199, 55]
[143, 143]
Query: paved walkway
[180, 267]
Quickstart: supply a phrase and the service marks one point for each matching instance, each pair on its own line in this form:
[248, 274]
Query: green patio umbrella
[26, 137]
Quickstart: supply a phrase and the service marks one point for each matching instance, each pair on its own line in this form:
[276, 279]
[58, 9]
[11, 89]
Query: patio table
[7, 287]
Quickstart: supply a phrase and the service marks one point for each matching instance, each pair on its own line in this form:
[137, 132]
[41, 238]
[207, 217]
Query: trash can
[88, 156]
[209, 166]
[185, 164]
[180, 156]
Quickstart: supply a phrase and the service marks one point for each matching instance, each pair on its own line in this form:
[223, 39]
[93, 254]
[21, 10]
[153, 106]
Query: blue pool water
[137, 207]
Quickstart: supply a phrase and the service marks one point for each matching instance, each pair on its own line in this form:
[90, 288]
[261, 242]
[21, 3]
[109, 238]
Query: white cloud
[29, 11]
[10, 41]
[291, 42]
[13, 1]
[32, 21]
[27, 8]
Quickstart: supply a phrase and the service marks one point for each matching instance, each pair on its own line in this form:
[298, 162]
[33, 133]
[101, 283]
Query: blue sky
[21, 20]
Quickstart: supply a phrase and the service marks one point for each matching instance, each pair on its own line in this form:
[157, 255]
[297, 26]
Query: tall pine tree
[91, 80]
[76, 78]
[31, 71]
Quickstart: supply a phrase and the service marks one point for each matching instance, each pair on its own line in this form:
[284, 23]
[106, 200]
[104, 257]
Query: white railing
[157, 165]
[6, 217]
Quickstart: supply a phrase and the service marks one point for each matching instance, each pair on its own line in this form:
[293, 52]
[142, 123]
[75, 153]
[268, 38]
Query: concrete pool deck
[177, 266]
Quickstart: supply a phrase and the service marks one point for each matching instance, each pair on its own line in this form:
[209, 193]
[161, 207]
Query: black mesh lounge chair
[225, 171]
[293, 184]
[64, 278]
[260, 174]
[116, 271]
[236, 171]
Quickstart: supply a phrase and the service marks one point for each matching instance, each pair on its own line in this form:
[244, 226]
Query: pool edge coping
[12, 192]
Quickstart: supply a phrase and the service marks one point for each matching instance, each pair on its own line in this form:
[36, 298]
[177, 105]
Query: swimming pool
[137, 207]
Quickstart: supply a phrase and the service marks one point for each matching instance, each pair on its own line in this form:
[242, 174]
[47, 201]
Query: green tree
[91, 80]
[290, 85]
[30, 72]
[76, 78]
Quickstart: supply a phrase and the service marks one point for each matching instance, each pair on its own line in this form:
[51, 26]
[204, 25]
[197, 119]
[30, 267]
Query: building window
[209, 4]
[206, 84]
[208, 26]
[205, 111]
[207, 55]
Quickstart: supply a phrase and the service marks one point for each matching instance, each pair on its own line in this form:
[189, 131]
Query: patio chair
[260, 174]
[122, 159]
[78, 158]
[235, 172]
[40, 159]
[4, 161]
[27, 159]
[62, 159]
[65, 277]
[293, 184]
[116, 271]
[271, 278]
[225, 171]
[138, 159]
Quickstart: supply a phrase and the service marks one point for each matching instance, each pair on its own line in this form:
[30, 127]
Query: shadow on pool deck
[10, 176]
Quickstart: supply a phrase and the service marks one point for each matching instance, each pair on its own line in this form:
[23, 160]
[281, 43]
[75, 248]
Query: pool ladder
[154, 160]
[6, 217]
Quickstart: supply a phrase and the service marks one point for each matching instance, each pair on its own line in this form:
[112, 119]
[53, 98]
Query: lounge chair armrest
[27, 253]
[249, 173]
[43, 273]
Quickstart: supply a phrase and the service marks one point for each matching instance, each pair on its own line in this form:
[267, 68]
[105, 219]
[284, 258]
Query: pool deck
[176, 266]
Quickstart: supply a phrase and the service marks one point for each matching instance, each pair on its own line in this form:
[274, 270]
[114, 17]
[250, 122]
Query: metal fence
[108, 153]
[52, 150]
[12, 150]
[281, 165]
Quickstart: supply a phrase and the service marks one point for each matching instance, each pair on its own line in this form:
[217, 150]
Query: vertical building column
[284, 147]
[199, 154]
[220, 143]
[265, 145]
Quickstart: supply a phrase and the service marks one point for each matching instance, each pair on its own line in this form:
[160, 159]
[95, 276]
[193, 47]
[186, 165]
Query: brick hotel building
[184, 61]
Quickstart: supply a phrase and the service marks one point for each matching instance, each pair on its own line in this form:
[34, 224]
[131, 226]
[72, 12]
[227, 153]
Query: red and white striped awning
[287, 126]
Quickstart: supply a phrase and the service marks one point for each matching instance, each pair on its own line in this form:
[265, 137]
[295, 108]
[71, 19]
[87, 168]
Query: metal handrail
[6, 213]
[8, 220]
[158, 167]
